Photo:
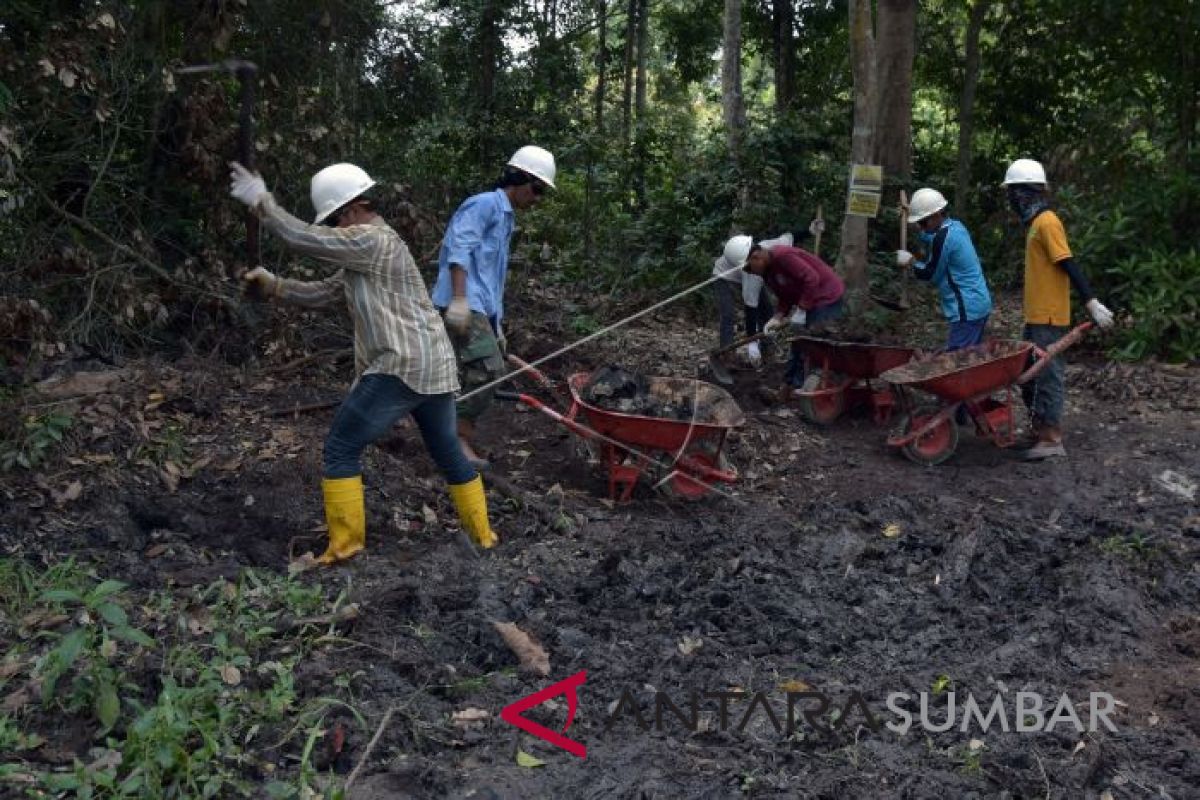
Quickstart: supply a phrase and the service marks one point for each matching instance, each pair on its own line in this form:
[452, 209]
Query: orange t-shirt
[1047, 285]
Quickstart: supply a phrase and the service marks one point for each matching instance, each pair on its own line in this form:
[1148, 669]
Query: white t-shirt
[751, 284]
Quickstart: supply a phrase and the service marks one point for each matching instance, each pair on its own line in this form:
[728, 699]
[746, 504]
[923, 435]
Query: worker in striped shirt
[403, 357]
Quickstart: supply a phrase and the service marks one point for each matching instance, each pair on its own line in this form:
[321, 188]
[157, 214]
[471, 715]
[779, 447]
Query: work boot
[346, 517]
[1049, 444]
[471, 504]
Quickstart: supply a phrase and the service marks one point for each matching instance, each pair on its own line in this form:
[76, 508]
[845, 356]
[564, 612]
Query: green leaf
[108, 706]
[132, 635]
[113, 614]
[61, 596]
[69, 648]
[105, 589]
[526, 760]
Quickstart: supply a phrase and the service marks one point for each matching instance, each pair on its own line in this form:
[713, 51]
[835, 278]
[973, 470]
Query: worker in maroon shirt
[807, 289]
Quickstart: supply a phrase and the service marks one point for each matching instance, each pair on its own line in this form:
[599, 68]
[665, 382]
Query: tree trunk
[785, 56]
[488, 46]
[896, 28]
[601, 62]
[732, 106]
[852, 260]
[627, 76]
[639, 104]
[966, 103]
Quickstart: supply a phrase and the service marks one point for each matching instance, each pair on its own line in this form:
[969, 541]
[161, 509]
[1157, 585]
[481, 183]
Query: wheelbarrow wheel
[935, 446]
[823, 409]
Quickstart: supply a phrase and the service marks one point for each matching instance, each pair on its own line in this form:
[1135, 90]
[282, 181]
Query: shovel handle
[754, 337]
[1046, 356]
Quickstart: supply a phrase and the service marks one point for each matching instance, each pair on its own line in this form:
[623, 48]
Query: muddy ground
[831, 566]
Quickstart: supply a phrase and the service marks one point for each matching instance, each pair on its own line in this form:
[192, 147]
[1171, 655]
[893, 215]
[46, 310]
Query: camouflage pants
[479, 363]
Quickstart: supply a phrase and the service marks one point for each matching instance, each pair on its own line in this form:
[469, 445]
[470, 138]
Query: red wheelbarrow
[683, 456]
[847, 369]
[968, 378]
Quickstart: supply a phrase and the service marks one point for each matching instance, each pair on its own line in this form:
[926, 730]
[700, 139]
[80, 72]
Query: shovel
[719, 370]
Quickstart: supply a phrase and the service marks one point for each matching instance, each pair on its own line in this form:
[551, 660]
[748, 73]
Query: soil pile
[617, 389]
[945, 363]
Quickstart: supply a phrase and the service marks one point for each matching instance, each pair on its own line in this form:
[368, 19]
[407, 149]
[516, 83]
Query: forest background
[675, 123]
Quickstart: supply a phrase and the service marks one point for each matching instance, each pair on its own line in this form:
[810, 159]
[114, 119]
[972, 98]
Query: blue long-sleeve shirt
[954, 268]
[477, 239]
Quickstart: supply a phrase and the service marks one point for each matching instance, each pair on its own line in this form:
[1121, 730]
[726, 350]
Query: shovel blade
[719, 371]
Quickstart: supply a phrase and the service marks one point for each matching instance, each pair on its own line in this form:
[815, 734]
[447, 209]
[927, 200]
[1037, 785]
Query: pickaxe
[246, 73]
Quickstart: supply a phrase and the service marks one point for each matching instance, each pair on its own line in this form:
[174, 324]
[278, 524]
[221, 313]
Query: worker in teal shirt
[952, 266]
[472, 268]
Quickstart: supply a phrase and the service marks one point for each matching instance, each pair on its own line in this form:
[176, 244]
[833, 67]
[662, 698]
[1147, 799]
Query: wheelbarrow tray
[853, 359]
[963, 374]
[718, 413]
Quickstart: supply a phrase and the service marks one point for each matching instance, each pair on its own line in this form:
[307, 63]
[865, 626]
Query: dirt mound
[946, 363]
[617, 389]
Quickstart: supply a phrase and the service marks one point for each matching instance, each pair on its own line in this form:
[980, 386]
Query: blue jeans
[794, 376]
[966, 334]
[1044, 394]
[370, 410]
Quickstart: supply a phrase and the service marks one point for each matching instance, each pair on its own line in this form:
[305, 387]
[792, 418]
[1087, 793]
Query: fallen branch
[532, 656]
[383, 723]
[347, 613]
[334, 354]
[302, 409]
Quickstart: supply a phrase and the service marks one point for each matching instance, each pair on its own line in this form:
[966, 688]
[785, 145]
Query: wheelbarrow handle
[1044, 357]
[567, 421]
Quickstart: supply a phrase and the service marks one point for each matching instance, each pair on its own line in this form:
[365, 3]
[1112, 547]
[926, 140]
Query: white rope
[608, 329]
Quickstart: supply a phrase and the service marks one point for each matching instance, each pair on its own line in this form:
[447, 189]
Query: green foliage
[34, 441]
[1137, 244]
[221, 689]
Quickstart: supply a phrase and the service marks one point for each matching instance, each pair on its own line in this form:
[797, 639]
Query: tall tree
[852, 259]
[783, 19]
[966, 101]
[896, 25]
[732, 104]
[639, 103]
[601, 62]
[631, 15]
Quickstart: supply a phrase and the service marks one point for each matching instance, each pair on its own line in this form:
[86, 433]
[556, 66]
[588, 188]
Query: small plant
[38, 434]
[1133, 546]
[941, 683]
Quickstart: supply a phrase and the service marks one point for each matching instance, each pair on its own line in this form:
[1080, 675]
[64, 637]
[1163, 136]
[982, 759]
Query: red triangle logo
[568, 686]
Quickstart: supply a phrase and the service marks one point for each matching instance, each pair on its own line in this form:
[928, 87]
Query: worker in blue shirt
[472, 268]
[952, 266]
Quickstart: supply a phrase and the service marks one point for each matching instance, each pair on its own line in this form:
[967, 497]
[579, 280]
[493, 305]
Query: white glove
[245, 185]
[799, 317]
[458, 315]
[261, 282]
[774, 323]
[816, 226]
[903, 258]
[754, 354]
[1102, 316]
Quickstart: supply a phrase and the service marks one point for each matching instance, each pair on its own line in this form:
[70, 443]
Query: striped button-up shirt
[397, 331]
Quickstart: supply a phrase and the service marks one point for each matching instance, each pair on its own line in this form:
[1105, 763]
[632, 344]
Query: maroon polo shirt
[799, 278]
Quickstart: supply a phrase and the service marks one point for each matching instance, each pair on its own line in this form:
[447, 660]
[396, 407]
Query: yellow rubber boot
[471, 504]
[346, 517]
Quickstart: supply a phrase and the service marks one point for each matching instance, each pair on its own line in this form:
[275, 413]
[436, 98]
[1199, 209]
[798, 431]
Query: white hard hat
[737, 250]
[1024, 170]
[335, 186]
[925, 202]
[537, 162]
